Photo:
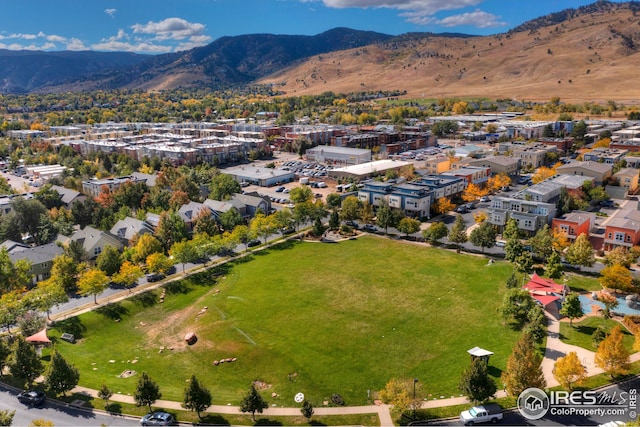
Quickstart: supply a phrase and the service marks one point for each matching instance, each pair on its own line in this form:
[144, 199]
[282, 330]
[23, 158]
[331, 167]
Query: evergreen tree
[571, 307]
[458, 232]
[61, 376]
[475, 382]
[542, 243]
[386, 217]
[513, 249]
[512, 281]
[105, 393]
[253, 402]
[6, 417]
[554, 265]
[516, 305]
[511, 230]
[536, 324]
[523, 368]
[147, 391]
[334, 220]
[196, 397]
[24, 363]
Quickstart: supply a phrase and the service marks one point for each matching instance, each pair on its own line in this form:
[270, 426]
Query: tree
[184, 252]
[128, 274]
[571, 307]
[524, 262]
[523, 368]
[511, 230]
[11, 307]
[474, 192]
[516, 305]
[24, 363]
[610, 302]
[105, 393]
[158, 262]
[443, 205]
[204, 222]
[46, 295]
[616, 277]
[14, 276]
[300, 194]
[542, 242]
[620, 255]
[64, 270]
[536, 323]
[512, 281]
[350, 208]
[109, 260]
[554, 265]
[458, 232]
[542, 173]
[513, 249]
[196, 397]
[484, 235]
[92, 282]
[230, 219]
[475, 382]
[61, 376]
[569, 371]
[408, 226]
[147, 391]
[386, 217]
[581, 252]
[253, 402]
[5, 352]
[612, 356]
[6, 417]
[171, 229]
[223, 186]
[436, 231]
[334, 201]
[145, 246]
[307, 409]
[262, 226]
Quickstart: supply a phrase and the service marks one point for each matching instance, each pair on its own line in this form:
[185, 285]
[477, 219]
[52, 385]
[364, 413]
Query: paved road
[60, 415]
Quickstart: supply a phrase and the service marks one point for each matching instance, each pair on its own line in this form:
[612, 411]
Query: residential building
[533, 155]
[574, 224]
[248, 204]
[622, 229]
[93, 187]
[192, 210]
[545, 191]
[498, 164]
[129, 228]
[442, 186]
[609, 156]
[68, 196]
[413, 200]
[627, 178]
[598, 171]
[93, 241]
[41, 258]
[435, 165]
[530, 215]
[473, 175]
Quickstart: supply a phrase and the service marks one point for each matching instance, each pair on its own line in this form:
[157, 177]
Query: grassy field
[580, 333]
[304, 317]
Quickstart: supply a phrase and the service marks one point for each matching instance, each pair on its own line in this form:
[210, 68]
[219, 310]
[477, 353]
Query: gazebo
[39, 338]
[477, 352]
[545, 291]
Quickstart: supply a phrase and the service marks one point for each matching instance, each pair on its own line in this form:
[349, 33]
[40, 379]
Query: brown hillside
[592, 57]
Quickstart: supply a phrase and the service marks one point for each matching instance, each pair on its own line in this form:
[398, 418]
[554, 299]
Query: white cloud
[118, 46]
[110, 12]
[478, 18]
[170, 28]
[54, 38]
[76, 44]
[22, 36]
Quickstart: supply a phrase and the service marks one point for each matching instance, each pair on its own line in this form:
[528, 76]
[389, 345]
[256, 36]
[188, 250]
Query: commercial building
[264, 177]
[338, 155]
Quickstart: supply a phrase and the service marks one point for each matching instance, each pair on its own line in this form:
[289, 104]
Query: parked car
[462, 209]
[154, 277]
[253, 242]
[484, 199]
[288, 230]
[279, 189]
[481, 414]
[32, 397]
[158, 419]
[370, 227]
[607, 204]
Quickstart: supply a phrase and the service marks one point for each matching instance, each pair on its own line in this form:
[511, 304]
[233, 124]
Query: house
[442, 186]
[68, 196]
[609, 156]
[219, 207]
[622, 229]
[544, 191]
[574, 224]
[41, 258]
[129, 228]
[251, 203]
[533, 155]
[190, 211]
[498, 164]
[93, 241]
[475, 175]
[598, 171]
[93, 187]
[530, 215]
[627, 178]
[435, 165]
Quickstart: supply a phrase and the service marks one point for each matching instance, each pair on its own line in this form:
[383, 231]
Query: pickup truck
[481, 414]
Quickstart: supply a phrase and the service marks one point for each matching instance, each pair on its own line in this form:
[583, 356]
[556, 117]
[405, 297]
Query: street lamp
[415, 381]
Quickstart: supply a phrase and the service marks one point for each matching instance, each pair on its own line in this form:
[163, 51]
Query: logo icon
[299, 397]
[533, 403]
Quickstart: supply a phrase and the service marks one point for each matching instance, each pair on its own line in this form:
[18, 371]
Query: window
[97, 251]
[619, 237]
[528, 223]
[565, 229]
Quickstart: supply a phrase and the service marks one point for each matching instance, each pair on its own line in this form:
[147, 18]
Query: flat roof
[371, 167]
[339, 150]
[256, 172]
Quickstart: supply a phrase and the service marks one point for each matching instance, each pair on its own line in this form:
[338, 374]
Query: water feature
[624, 307]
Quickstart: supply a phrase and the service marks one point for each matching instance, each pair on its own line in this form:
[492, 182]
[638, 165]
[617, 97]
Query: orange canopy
[39, 337]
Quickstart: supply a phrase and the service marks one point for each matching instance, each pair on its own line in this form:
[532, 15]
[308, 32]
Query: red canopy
[545, 299]
[39, 337]
[541, 284]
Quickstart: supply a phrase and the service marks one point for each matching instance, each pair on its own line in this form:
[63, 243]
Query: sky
[162, 26]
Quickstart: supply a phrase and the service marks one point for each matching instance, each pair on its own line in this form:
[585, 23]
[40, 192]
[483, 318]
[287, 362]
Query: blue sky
[160, 26]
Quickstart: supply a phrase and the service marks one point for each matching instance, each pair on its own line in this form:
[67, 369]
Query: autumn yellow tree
[542, 173]
[443, 205]
[560, 240]
[569, 371]
[480, 217]
[399, 393]
[128, 275]
[92, 282]
[616, 277]
[498, 181]
[612, 356]
[473, 192]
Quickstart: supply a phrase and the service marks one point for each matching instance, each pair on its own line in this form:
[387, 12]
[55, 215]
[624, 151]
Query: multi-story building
[622, 229]
[498, 164]
[574, 224]
[413, 200]
[530, 215]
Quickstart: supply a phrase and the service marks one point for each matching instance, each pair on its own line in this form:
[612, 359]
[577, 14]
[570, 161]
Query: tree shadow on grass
[145, 299]
[267, 422]
[587, 330]
[213, 420]
[316, 423]
[113, 408]
[71, 326]
[494, 372]
[179, 286]
[113, 311]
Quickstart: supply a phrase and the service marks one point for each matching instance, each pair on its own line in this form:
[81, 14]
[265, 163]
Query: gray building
[264, 177]
[338, 155]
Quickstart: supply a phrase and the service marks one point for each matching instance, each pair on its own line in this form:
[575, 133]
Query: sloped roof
[39, 337]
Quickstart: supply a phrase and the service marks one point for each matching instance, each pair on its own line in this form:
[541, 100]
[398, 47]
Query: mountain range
[585, 54]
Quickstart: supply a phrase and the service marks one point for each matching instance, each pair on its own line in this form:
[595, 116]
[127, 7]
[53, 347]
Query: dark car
[280, 190]
[253, 242]
[154, 277]
[32, 397]
[607, 204]
[158, 419]
[462, 209]
[288, 230]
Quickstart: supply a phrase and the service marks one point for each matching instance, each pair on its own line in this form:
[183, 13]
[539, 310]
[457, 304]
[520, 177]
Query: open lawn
[304, 317]
[580, 333]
